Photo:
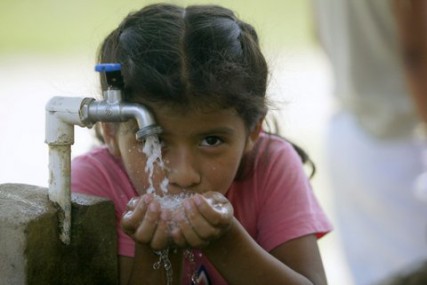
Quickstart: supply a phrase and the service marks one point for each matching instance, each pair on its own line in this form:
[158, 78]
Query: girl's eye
[211, 141]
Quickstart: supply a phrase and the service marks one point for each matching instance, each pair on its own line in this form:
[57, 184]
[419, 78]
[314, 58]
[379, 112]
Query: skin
[202, 158]
[411, 20]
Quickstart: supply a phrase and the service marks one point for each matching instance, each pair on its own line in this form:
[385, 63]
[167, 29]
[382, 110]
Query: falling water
[153, 150]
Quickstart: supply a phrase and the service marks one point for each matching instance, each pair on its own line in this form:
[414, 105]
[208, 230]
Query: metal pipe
[61, 115]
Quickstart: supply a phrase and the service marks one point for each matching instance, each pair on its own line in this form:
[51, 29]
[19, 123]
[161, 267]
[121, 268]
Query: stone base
[31, 251]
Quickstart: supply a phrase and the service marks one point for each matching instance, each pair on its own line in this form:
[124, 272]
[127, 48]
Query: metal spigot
[112, 109]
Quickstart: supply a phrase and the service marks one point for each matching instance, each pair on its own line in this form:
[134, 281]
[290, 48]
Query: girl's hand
[201, 219]
[146, 222]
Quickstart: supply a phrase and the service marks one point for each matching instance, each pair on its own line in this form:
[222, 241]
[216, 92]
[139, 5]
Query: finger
[216, 209]
[177, 236]
[135, 213]
[130, 206]
[198, 222]
[186, 227]
[146, 198]
[147, 227]
[160, 238]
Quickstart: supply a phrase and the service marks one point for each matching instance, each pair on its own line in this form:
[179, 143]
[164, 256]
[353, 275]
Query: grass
[60, 26]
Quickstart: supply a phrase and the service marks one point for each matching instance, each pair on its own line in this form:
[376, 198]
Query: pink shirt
[274, 204]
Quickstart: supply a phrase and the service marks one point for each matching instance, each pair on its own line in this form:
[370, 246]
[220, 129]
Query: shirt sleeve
[289, 208]
[87, 177]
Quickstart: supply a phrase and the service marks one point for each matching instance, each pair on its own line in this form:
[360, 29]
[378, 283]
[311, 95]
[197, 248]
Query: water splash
[190, 257]
[164, 262]
[173, 201]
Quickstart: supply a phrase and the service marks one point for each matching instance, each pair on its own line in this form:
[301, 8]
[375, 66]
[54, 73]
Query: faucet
[62, 113]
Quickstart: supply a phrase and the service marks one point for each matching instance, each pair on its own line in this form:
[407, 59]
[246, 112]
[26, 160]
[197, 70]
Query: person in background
[373, 158]
[411, 19]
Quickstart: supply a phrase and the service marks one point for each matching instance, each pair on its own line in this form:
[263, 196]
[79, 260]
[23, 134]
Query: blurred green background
[59, 26]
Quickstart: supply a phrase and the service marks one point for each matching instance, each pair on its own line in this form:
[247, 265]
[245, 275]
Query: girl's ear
[254, 134]
[109, 134]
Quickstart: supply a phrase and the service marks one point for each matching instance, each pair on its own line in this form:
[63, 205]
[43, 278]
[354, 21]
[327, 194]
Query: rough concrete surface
[31, 251]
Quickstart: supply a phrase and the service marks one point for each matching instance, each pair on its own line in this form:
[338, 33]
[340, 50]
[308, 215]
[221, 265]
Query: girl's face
[201, 150]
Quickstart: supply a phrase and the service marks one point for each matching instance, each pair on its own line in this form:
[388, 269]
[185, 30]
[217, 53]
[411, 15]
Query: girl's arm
[241, 260]
[125, 269]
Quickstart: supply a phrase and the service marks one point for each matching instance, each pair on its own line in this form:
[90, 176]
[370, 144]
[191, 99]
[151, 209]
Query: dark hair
[201, 56]
[198, 57]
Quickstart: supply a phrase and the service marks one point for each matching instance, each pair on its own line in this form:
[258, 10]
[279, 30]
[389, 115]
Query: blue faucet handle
[108, 67]
[112, 73]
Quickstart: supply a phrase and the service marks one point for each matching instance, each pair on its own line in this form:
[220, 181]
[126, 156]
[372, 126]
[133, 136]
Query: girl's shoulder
[99, 173]
[97, 161]
[272, 145]
[96, 154]
[275, 154]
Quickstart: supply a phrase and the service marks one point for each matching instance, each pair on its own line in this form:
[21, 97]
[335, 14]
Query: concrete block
[31, 252]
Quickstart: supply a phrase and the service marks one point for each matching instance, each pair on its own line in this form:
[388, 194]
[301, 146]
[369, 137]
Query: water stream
[153, 150]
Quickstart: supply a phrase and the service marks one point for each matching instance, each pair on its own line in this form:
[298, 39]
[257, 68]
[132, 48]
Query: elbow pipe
[105, 111]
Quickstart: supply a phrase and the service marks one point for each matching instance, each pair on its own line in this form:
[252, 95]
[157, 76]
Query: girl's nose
[182, 171]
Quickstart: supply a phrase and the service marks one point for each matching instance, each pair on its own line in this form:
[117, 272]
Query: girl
[252, 218]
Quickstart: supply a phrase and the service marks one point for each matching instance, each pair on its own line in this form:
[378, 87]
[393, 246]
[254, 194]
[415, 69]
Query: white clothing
[373, 159]
[381, 223]
[359, 37]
